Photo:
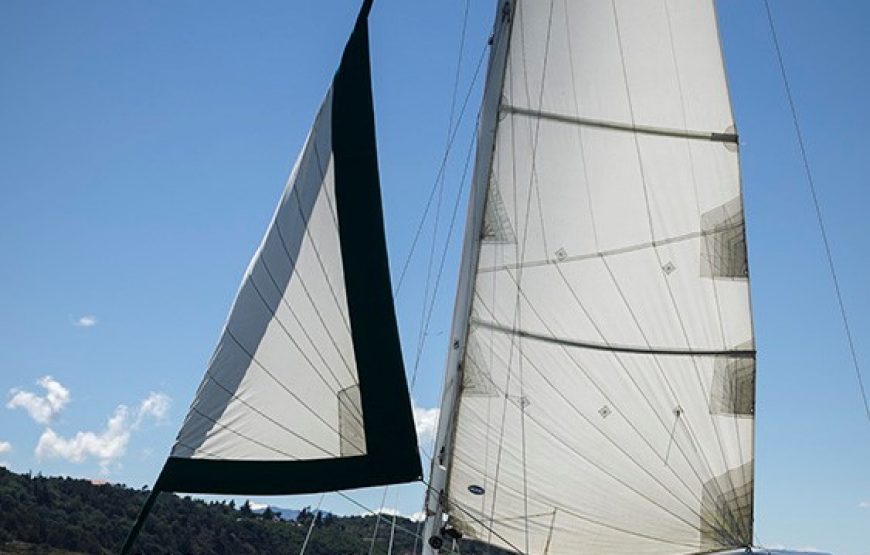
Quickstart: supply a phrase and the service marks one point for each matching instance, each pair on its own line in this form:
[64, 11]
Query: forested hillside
[64, 515]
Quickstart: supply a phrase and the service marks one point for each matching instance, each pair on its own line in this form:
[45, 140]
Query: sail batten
[621, 126]
[650, 350]
[607, 363]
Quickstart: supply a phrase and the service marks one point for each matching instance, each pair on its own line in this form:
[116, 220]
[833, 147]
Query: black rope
[818, 209]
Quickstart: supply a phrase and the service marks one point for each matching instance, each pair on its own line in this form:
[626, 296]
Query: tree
[246, 511]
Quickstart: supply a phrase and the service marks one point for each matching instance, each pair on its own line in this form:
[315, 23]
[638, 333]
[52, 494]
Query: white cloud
[384, 511]
[257, 506]
[426, 423]
[780, 549]
[156, 406]
[864, 505]
[41, 408]
[86, 321]
[5, 447]
[390, 511]
[108, 445]
[419, 516]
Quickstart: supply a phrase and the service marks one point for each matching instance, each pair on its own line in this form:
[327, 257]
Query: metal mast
[488, 123]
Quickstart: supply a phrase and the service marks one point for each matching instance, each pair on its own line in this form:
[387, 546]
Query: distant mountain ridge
[286, 514]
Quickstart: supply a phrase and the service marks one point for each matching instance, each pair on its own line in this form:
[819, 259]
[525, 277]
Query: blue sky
[144, 146]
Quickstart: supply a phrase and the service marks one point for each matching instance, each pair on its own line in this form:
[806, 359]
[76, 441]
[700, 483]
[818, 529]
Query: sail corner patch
[723, 242]
[733, 388]
[496, 222]
[726, 510]
[350, 423]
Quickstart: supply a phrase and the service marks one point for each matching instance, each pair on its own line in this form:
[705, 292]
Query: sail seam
[675, 351]
[621, 126]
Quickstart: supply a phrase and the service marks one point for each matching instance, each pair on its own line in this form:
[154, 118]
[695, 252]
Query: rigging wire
[378, 521]
[480, 521]
[438, 186]
[393, 527]
[517, 316]
[818, 209]
[439, 176]
[458, 70]
[430, 309]
[377, 515]
[311, 526]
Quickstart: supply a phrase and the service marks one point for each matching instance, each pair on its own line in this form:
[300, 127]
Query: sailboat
[599, 394]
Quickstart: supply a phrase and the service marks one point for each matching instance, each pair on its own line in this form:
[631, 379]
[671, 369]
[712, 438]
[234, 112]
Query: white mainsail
[600, 394]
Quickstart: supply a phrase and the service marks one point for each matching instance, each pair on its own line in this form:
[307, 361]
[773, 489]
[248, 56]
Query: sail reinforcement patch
[723, 242]
[496, 222]
[733, 389]
[350, 424]
[726, 510]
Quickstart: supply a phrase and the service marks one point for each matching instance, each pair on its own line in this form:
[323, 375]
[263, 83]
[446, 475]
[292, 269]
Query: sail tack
[608, 369]
[306, 389]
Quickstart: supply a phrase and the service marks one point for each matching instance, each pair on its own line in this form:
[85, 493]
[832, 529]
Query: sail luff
[487, 126]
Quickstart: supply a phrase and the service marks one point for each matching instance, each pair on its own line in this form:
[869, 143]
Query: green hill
[60, 516]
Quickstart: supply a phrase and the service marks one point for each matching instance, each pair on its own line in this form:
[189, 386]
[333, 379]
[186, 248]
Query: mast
[488, 124]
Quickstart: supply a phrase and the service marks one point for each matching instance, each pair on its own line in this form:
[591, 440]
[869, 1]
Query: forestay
[306, 389]
[608, 369]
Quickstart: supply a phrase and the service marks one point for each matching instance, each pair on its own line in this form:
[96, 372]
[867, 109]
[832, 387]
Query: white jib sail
[278, 385]
[608, 369]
